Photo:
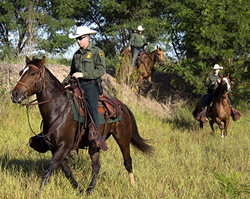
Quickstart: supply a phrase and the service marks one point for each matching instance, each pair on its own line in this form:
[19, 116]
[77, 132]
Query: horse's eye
[32, 74]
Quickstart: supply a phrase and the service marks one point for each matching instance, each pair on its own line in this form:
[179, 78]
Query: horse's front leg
[95, 158]
[218, 121]
[68, 173]
[57, 158]
[211, 122]
[149, 80]
[226, 125]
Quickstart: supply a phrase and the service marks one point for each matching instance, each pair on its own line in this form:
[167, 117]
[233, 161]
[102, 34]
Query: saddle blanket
[101, 116]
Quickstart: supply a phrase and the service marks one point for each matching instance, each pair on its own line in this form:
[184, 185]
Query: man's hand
[129, 48]
[77, 74]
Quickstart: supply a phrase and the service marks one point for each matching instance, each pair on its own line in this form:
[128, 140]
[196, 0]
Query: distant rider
[138, 41]
[212, 84]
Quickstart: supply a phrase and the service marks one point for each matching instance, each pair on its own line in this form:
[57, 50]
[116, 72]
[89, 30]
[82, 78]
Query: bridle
[159, 60]
[39, 78]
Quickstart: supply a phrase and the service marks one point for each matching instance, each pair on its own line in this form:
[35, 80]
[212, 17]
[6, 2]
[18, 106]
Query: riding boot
[96, 138]
[235, 113]
[202, 116]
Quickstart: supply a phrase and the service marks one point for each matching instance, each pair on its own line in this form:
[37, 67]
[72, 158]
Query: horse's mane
[217, 90]
[36, 62]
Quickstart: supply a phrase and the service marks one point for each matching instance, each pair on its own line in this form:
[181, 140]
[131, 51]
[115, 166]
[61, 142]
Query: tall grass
[187, 162]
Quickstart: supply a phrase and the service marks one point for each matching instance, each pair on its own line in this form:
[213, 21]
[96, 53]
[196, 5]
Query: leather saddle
[140, 57]
[107, 105]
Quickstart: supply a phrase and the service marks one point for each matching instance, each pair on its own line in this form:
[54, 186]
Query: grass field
[187, 162]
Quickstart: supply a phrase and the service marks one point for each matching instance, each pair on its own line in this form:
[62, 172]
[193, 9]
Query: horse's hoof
[90, 191]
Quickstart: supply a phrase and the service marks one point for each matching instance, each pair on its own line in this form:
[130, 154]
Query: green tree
[28, 25]
[207, 32]
[116, 20]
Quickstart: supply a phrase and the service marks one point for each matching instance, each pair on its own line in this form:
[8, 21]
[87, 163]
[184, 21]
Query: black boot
[95, 137]
[202, 116]
[235, 113]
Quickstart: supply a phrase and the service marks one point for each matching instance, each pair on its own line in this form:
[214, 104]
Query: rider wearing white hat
[88, 65]
[212, 83]
[138, 41]
[217, 67]
[82, 30]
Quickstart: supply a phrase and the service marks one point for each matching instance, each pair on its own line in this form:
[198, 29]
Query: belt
[87, 81]
[138, 47]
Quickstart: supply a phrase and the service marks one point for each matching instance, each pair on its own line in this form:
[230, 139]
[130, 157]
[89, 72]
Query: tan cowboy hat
[217, 67]
[140, 28]
[82, 30]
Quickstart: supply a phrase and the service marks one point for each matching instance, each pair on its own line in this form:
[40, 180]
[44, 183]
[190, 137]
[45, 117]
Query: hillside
[160, 99]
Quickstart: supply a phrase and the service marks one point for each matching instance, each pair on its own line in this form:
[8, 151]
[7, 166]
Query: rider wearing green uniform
[138, 41]
[88, 65]
[212, 84]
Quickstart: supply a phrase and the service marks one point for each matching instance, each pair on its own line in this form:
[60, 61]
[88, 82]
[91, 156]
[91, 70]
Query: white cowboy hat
[217, 67]
[140, 28]
[82, 30]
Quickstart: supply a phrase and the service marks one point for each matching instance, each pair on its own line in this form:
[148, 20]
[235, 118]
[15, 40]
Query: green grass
[187, 162]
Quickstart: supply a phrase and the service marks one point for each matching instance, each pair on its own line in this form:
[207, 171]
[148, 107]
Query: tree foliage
[207, 32]
[27, 26]
[195, 33]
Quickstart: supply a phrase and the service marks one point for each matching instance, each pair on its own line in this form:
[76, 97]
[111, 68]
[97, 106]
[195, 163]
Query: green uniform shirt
[137, 40]
[91, 62]
[209, 82]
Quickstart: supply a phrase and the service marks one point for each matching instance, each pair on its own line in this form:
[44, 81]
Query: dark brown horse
[145, 63]
[35, 78]
[219, 111]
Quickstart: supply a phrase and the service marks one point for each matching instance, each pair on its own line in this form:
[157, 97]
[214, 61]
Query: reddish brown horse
[35, 78]
[145, 63]
[219, 111]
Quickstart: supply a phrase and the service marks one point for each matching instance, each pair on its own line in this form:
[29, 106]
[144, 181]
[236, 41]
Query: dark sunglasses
[80, 38]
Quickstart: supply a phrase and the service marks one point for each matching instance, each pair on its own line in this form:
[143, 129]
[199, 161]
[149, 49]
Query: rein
[59, 118]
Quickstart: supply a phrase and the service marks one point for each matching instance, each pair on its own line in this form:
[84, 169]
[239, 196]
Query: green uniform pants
[91, 95]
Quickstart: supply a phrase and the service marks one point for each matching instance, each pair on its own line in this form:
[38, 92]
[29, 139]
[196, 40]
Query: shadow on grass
[26, 166]
[36, 166]
[183, 123]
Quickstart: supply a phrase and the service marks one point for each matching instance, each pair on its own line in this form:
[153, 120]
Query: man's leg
[135, 55]
[234, 113]
[91, 96]
[202, 115]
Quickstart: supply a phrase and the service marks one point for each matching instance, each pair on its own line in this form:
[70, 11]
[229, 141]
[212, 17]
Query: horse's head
[30, 81]
[225, 83]
[160, 56]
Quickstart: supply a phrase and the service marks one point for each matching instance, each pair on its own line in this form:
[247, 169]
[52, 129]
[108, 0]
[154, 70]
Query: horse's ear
[42, 61]
[228, 75]
[220, 76]
[27, 59]
[159, 48]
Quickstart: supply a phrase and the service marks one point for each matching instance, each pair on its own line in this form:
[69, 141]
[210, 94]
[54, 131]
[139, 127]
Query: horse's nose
[162, 63]
[15, 96]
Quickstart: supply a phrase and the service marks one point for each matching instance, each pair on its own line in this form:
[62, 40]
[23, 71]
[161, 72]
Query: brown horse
[219, 109]
[53, 102]
[145, 63]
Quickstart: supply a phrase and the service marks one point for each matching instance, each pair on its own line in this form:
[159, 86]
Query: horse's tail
[136, 140]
